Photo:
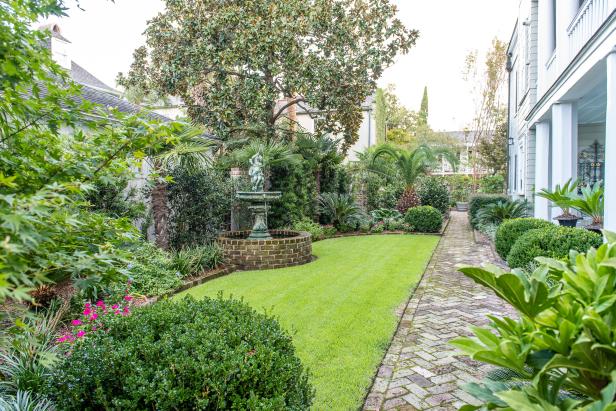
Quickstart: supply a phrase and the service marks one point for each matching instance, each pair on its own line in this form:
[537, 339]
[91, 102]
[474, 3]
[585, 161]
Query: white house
[562, 99]
[308, 118]
[465, 152]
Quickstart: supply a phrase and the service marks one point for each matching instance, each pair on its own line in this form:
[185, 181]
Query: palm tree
[318, 150]
[410, 165]
[274, 153]
[191, 150]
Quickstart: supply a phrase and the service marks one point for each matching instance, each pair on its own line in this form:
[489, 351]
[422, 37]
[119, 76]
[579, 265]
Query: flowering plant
[93, 318]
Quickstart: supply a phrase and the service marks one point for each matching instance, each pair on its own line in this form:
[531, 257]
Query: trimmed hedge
[433, 192]
[424, 219]
[478, 201]
[184, 355]
[510, 230]
[553, 242]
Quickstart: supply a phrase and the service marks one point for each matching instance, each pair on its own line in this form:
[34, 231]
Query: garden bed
[342, 306]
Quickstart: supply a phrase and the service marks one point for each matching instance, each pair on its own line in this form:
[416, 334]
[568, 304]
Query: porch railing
[591, 16]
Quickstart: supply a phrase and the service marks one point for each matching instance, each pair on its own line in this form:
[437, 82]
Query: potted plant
[562, 197]
[591, 203]
[460, 194]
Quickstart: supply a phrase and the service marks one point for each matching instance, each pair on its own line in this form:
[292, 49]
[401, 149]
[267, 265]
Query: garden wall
[286, 249]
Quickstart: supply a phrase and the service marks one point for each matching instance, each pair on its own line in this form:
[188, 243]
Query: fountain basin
[286, 248]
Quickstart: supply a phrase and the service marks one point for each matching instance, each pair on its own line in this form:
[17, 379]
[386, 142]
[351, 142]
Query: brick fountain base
[285, 249]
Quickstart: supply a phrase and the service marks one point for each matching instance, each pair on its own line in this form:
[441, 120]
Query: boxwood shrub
[553, 242]
[433, 192]
[510, 230]
[477, 202]
[185, 355]
[425, 219]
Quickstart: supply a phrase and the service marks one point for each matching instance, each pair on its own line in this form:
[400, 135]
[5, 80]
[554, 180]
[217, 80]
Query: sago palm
[591, 203]
[410, 165]
[496, 213]
[561, 196]
[189, 149]
[341, 209]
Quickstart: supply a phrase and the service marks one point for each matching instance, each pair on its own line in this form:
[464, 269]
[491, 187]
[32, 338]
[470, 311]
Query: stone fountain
[260, 248]
[258, 199]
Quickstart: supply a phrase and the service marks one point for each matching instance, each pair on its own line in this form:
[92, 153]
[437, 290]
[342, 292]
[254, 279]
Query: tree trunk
[160, 212]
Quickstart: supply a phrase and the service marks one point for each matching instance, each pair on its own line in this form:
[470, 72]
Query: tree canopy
[233, 62]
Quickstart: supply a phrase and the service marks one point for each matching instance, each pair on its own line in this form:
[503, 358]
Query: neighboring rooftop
[92, 88]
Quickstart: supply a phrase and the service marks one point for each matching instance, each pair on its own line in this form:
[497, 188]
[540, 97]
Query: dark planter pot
[595, 228]
[567, 221]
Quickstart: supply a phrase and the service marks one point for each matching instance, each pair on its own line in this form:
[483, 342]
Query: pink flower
[93, 317]
[115, 306]
[128, 298]
[61, 339]
[100, 303]
[81, 333]
[87, 311]
[76, 322]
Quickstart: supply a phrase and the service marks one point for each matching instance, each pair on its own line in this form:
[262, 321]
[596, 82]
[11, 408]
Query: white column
[542, 171]
[610, 145]
[564, 142]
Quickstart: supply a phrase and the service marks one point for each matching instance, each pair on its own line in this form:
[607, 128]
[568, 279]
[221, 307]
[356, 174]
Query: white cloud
[105, 34]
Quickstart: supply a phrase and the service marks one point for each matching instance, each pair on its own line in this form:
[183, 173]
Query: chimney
[59, 45]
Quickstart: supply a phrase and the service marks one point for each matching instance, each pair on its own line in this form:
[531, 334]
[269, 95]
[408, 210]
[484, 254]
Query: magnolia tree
[232, 62]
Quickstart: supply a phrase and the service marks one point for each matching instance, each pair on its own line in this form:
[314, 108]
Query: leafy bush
[340, 209]
[560, 346]
[479, 201]
[329, 231]
[390, 218]
[433, 192]
[496, 213]
[378, 228]
[460, 187]
[151, 272]
[207, 354]
[492, 184]
[488, 229]
[509, 232]
[424, 219]
[315, 229]
[201, 203]
[553, 242]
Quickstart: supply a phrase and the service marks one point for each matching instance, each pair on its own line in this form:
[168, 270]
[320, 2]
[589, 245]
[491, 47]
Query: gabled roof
[83, 76]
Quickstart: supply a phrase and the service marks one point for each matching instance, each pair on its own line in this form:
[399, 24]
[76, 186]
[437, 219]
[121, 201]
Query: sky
[105, 34]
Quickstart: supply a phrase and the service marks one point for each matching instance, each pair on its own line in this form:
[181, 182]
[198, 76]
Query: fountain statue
[258, 198]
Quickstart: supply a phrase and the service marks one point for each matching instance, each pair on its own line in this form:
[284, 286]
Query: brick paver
[420, 370]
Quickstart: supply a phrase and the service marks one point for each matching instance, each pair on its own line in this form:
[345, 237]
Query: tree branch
[287, 105]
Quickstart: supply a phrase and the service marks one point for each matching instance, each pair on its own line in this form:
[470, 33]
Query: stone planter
[461, 206]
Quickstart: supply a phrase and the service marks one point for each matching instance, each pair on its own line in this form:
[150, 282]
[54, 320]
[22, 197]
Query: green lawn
[339, 307]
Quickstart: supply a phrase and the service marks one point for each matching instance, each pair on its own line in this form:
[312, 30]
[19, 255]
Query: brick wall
[289, 248]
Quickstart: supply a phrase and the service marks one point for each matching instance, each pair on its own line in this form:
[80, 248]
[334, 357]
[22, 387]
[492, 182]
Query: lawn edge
[429, 266]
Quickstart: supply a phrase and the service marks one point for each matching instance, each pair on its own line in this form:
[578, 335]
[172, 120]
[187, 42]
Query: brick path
[420, 370]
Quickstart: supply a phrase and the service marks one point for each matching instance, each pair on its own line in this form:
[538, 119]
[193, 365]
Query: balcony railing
[591, 16]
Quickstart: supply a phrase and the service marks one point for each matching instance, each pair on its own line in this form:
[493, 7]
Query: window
[553, 27]
[515, 173]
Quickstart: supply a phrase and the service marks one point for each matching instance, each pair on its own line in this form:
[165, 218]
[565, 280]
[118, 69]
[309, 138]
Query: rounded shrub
[553, 242]
[510, 230]
[425, 219]
[186, 355]
[433, 192]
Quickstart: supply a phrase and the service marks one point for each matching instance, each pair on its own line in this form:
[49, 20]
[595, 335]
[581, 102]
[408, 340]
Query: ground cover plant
[340, 306]
[560, 351]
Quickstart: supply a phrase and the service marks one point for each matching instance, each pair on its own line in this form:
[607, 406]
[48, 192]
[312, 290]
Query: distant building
[466, 154]
[308, 118]
[562, 87]
[92, 89]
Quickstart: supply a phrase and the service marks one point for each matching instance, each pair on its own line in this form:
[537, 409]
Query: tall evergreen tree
[423, 111]
[381, 116]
